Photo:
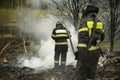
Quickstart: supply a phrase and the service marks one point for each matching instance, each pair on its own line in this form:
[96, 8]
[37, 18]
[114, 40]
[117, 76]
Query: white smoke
[38, 3]
[41, 28]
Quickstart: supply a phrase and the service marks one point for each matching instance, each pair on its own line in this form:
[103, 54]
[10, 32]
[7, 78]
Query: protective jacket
[60, 35]
[85, 31]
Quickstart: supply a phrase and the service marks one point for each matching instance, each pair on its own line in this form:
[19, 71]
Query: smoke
[41, 29]
[38, 3]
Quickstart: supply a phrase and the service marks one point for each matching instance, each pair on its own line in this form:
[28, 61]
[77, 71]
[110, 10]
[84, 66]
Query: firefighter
[90, 32]
[60, 34]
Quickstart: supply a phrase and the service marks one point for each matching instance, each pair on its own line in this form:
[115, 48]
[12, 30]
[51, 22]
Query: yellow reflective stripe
[56, 61]
[61, 43]
[63, 62]
[90, 24]
[83, 29]
[82, 45]
[99, 25]
[89, 79]
[102, 30]
[60, 35]
[53, 35]
[93, 48]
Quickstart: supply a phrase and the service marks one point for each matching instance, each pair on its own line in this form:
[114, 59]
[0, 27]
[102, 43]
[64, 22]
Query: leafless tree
[70, 9]
[110, 15]
[114, 20]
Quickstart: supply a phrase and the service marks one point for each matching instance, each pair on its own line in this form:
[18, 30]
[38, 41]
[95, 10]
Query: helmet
[90, 9]
[59, 24]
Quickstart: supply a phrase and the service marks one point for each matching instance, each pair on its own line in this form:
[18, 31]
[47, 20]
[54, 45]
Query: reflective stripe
[60, 35]
[63, 62]
[102, 30]
[61, 31]
[89, 79]
[91, 47]
[82, 45]
[61, 43]
[89, 27]
[90, 24]
[56, 61]
[99, 25]
[83, 29]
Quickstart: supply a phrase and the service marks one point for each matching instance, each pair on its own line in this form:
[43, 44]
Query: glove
[80, 54]
[76, 55]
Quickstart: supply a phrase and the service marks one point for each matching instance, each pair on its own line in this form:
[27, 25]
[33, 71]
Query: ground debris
[109, 71]
[111, 67]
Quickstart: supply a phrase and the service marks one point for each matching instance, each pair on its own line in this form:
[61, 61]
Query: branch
[24, 45]
[5, 46]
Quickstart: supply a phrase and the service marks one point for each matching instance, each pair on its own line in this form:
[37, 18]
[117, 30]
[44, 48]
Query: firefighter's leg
[56, 58]
[93, 65]
[63, 58]
[64, 50]
[82, 70]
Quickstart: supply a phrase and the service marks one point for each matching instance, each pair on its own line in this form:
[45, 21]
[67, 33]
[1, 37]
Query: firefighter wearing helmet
[60, 35]
[90, 31]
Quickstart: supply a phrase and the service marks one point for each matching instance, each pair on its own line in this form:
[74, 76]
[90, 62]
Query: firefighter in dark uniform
[60, 34]
[87, 57]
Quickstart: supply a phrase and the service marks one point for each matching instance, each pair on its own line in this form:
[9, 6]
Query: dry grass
[106, 45]
[8, 16]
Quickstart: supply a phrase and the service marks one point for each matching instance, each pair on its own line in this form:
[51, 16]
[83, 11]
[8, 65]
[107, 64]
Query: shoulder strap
[92, 34]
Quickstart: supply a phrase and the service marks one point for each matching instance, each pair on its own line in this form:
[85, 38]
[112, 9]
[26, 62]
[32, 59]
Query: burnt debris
[109, 71]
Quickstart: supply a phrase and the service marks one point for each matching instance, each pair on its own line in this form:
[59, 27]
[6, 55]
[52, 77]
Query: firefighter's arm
[69, 35]
[102, 34]
[53, 34]
[82, 38]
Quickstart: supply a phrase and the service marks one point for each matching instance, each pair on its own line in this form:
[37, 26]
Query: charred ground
[109, 71]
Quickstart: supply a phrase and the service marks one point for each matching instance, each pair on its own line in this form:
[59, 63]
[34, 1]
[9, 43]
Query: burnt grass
[109, 71]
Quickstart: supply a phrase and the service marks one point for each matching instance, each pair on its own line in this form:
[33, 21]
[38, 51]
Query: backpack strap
[92, 34]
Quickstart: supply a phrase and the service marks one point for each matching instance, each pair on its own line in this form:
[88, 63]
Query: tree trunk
[112, 42]
[75, 23]
[114, 12]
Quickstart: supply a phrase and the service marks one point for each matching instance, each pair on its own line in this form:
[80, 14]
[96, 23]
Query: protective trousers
[60, 50]
[87, 65]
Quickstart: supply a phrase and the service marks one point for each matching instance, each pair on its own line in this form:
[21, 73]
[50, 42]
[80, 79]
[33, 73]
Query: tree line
[11, 3]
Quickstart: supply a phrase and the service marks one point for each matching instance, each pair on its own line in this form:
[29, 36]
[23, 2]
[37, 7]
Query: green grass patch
[7, 12]
[117, 44]
[106, 44]
[7, 16]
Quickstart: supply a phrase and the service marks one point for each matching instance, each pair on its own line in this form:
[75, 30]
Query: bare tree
[110, 15]
[114, 20]
[71, 9]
